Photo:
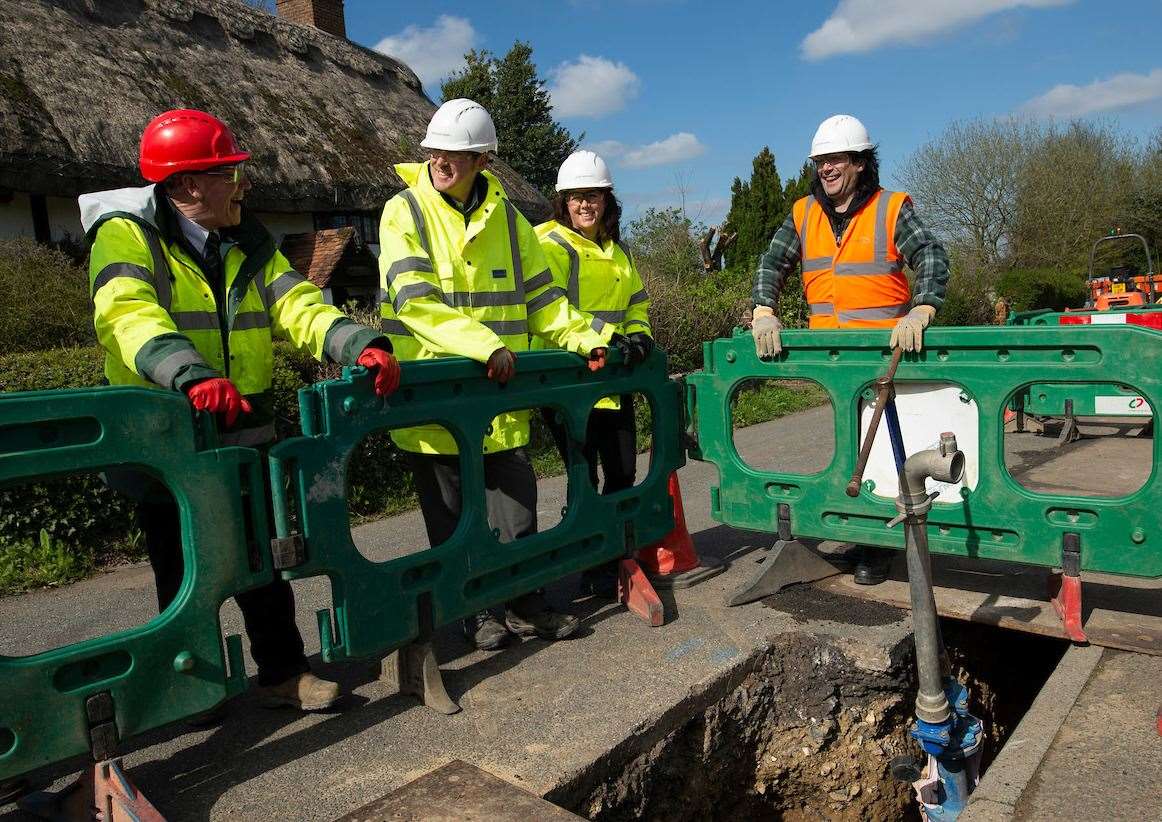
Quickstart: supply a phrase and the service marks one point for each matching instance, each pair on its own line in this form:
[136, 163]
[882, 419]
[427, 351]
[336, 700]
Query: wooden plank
[459, 792]
[1117, 612]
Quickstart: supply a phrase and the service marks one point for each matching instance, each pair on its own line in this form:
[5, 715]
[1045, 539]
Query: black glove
[643, 345]
[622, 344]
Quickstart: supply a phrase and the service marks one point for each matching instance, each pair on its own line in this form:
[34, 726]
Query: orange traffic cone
[673, 562]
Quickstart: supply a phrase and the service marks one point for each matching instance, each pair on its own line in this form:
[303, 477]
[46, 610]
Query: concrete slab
[1106, 760]
[459, 792]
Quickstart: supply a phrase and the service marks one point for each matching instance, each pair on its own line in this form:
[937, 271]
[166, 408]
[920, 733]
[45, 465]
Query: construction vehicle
[1121, 296]
[1122, 286]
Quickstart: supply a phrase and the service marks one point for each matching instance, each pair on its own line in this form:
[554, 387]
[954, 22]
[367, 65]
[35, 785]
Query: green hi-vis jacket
[600, 281]
[455, 290]
[162, 324]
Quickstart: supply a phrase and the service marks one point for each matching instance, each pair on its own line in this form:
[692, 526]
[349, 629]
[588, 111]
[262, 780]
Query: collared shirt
[925, 255]
[195, 235]
[475, 199]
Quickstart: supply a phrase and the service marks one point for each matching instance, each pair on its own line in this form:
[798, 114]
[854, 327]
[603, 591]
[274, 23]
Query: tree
[757, 208]
[966, 183]
[531, 141]
[1074, 188]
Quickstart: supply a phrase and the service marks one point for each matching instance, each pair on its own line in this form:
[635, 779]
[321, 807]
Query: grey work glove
[766, 327]
[909, 331]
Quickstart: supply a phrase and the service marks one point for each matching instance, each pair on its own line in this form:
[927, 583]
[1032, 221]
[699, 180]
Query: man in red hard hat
[189, 294]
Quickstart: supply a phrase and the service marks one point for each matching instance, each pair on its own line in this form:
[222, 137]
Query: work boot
[485, 631]
[530, 615]
[306, 692]
[872, 566]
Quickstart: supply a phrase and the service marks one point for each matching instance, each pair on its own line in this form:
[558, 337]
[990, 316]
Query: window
[363, 221]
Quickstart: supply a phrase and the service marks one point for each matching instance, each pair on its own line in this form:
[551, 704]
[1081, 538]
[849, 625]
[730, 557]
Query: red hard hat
[186, 139]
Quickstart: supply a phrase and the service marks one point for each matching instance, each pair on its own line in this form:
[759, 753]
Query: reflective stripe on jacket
[453, 290]
[162, 324]
[600, 281]
[860, 283]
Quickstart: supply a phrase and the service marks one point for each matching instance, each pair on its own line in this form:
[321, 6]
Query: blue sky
[680, 95]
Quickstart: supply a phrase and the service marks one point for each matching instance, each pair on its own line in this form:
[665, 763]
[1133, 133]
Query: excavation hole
[802, 732]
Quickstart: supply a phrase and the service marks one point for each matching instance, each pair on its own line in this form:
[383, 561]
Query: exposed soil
[806, 602]
[800, 733]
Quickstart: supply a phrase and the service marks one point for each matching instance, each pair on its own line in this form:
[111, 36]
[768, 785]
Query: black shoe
[872, 567]
[543, 622]
[485, 631]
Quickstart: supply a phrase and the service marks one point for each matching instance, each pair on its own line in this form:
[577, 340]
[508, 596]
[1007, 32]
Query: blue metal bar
[893, 419]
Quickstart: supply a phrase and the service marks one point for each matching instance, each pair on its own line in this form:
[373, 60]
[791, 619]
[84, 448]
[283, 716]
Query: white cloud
[674, 149]
[863, 25]
[434, 52]
[592, 87]
[1119, 91]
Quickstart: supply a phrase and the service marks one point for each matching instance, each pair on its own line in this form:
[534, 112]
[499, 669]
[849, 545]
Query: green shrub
[44, 298]
[1031, 288]
[42, 561]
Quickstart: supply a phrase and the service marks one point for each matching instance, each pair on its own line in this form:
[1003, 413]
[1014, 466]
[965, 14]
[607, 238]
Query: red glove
[219, 396]
[501, 365]
[597, 359]
[384, 366]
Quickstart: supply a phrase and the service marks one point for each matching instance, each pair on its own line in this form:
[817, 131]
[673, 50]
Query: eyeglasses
[234, 174]
[592, 197]
[455, 157]
[835, 160]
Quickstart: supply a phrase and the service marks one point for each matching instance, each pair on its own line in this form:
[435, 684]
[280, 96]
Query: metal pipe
[884, 391]
[944, 464]
[931, 703]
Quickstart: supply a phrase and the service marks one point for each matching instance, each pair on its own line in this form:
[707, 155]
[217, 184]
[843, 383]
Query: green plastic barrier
[1105, 400]
[998, 519]
[382, 606]
[173, 666]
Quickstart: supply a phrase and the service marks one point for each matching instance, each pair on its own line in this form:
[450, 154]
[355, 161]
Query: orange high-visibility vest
[860, 283]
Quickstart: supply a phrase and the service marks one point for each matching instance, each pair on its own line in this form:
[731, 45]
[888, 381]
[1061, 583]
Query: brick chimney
[325, 15]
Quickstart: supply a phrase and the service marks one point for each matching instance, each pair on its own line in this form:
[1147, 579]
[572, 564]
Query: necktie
[212, 260]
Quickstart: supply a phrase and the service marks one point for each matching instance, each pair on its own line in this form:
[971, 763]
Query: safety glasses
[592, 197]
[234, 174]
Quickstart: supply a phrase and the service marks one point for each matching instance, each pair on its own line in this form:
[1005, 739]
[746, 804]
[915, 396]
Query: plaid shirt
[924, 253]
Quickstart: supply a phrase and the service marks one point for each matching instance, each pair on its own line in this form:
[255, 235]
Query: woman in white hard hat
[583, 246]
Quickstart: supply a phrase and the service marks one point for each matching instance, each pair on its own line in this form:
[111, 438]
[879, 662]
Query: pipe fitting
[944, 464]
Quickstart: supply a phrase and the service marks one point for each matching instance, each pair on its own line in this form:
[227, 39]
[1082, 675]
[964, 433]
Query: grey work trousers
[510, 499]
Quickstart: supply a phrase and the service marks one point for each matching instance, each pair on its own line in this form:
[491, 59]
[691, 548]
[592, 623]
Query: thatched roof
[324, 118]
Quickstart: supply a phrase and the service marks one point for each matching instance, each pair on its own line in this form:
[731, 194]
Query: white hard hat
[461, 125]
[839, 133]
[583, 169]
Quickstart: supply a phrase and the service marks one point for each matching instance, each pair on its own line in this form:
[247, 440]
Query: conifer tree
[531, 141]
[757, 208]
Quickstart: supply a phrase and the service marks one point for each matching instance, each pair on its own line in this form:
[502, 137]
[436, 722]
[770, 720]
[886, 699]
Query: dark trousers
[510, 494]
[269, 611]
[610, 437]
[510, 499]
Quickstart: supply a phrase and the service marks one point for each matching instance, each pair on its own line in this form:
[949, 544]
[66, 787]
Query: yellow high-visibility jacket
[455, 290]
[602, 282]
[162, 324]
